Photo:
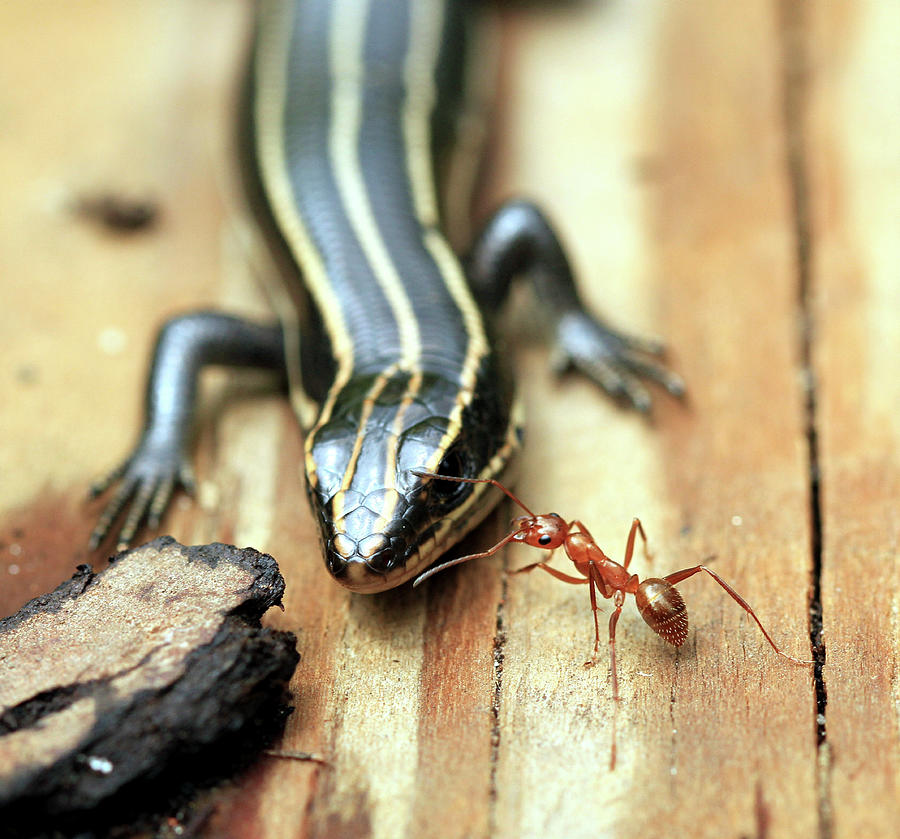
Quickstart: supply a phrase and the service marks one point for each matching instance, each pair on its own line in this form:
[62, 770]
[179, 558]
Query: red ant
[659, 602]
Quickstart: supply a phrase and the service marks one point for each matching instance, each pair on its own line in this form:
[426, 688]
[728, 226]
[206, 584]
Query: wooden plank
[654, 132]
[852, 136]
[719, 739]
[93, 104]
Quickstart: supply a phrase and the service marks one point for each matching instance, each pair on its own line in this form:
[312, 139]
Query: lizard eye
[453, 465]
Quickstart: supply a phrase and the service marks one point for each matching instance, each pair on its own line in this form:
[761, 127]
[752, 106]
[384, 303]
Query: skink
[352, 108]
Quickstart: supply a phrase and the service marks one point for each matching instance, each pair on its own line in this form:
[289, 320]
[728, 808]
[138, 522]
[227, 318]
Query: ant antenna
[424, 473]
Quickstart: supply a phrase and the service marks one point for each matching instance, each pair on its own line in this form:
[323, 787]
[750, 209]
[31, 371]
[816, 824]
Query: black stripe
[383, 154]
[383, 159]
[307, 119]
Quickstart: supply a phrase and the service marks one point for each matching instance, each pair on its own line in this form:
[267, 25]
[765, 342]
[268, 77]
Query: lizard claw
[144, 484]
[613, 360]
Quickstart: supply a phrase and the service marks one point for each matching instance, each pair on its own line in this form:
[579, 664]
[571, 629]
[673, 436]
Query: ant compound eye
[545, 539]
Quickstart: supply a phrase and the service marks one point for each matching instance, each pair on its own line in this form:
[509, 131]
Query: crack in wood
[498, 656]
[795, 70]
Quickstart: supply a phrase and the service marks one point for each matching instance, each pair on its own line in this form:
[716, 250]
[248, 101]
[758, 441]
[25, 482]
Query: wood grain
[715, 251]
[724, 175]
[851, 135]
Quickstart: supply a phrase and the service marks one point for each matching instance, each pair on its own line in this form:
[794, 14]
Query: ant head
[662, 607]
[548, 530]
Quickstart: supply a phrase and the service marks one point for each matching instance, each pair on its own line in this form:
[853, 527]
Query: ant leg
[582, 528]
[595, 609]
[566, 578]
[593, 579]
[679, 576]
[613, 620]
[424, 473]
[636, 527]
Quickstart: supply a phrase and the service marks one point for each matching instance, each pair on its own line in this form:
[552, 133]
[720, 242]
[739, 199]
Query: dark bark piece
[117, 687]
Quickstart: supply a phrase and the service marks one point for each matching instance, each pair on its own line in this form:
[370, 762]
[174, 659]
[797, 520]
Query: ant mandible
[659, 602]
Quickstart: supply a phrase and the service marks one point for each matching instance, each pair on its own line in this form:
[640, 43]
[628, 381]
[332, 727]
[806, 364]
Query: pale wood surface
[704, 161]
[851, 140]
